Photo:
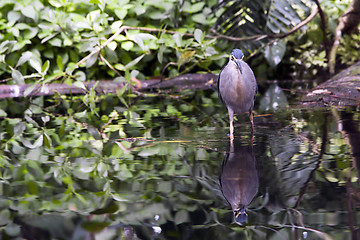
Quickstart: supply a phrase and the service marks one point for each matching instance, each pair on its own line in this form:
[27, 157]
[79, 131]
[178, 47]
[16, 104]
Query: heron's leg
[231, 118]
[251, 117]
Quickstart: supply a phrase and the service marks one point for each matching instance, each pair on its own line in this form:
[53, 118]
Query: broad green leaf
[17, 76]
[2, 113]
[29, 12]
[6, 46]
[127, 45]
[110, 208]
[181, 216]
[30, 33]
[79, 84]
[56, 42]
[24, 58]
[94, 226]
[177, 39]
[70, 68]
[80, 76]
[121, 13]
[193, 8]
[160, 53]
[59, 62]
[13, 230]
[199, 18]
[185, 57]
[198, 34]
[29, 89]
[56, 3]
[116, 25]
[95, 1]
[13, 16]
[91, 60]
[38, 142]
[35, 64]
[112, 45]
[275, 52]
[45, 67]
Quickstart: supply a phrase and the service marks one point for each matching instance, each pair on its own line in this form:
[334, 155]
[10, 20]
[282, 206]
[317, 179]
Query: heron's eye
[233, 58]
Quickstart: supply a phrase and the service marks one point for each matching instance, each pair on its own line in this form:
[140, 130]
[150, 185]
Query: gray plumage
[237, 87]
[239, 179]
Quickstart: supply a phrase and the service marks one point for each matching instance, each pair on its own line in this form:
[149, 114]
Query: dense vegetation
[97, 160]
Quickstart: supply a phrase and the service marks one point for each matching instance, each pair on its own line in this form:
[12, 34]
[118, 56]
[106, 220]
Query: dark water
[181, 178]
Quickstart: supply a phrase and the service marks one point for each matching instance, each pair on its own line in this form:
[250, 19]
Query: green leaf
[194, 7]
[30, 33]
[94, 226]
[2, 113]
[45, 67]
[24, 58]
[29, 89]
[80, 76]
[13, 16]
[59, 62]
[80, 84]
[177, 39]
[38, 142]
[29, 12]
[56, 3]
[44, 40]
[6, 46]
[127, 45]
[160, 53]
[181, 216]
[112, 207]
[134, 62]
[199, 18]
[47, 141]
[35, 64]
[198, 35]
[185, 57]
[17, 76]
[275, 52]
[91, 60]
[13, 230]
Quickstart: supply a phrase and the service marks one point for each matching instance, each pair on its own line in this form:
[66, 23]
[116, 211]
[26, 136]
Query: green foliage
[46, 40]
[307, 51]
[349, 49]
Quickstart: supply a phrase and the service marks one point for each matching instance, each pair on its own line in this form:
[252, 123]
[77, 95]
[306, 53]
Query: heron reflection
[239, 179]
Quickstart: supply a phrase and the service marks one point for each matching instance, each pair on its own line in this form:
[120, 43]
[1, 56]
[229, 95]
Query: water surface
[145, 175]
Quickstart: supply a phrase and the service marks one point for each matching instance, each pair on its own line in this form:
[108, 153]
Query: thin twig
[166, 66]
[323, 28]
[101, 46]
[109, 65]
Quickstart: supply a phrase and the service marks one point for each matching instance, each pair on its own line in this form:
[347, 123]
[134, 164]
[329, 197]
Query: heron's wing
[256, 90]
[218, 84]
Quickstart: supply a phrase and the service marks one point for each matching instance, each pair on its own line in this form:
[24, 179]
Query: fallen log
[194, 81]
[341, 90]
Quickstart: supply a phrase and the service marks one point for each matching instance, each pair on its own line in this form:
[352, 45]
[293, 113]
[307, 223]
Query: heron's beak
[238, 63]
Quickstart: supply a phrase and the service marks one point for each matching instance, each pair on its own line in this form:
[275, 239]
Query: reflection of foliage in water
[85, 169]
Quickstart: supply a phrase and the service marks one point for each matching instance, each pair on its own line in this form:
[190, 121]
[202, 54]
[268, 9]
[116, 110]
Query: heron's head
[240, 215]
[236, 56]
